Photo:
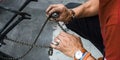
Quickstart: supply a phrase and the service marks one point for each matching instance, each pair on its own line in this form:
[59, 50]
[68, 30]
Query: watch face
[78, 54]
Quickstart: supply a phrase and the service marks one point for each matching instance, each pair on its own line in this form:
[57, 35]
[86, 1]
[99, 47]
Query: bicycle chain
[29, 44]
[22, 43]
[25, 43]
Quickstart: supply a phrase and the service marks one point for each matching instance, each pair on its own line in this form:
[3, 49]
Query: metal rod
[42, 29]
[35, 39]
[61, 27]
[20, 9]
[10, 28]
[9, 9]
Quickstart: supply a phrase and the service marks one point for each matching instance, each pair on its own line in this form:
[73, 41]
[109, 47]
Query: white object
[78, 54]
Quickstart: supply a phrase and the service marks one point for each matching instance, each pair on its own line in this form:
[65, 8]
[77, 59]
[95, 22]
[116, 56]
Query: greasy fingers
[62, 10]
[68, 44]
[53, 8]
[53, 46]
[50, 8]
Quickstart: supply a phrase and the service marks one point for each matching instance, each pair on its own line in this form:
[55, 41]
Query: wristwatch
[78, 55]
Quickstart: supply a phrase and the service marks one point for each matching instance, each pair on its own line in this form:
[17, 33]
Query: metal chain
[22, 43]
[25, 43]
[28, 44]
[31, 45]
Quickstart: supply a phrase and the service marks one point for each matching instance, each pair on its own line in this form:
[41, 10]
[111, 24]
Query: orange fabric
[101, 58]
[86, 56]
[109, 14]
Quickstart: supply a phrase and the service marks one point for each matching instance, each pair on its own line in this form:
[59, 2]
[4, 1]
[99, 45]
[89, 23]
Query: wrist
[79, 11]
[80, 54]
[83, 56]
[71, 15]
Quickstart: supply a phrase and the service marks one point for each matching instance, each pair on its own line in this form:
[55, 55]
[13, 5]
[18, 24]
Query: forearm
[89, 8]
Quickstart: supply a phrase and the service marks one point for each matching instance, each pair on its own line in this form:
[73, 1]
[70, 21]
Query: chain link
[26, 44]
[22, 43]
[29, 44]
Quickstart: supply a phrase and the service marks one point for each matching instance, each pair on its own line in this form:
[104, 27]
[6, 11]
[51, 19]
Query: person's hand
[65, 14]
[68, 44]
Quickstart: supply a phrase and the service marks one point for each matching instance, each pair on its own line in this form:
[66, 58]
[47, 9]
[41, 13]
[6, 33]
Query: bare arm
[89, 8]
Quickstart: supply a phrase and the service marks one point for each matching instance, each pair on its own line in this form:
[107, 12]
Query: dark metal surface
[6, 30]
[20, 9]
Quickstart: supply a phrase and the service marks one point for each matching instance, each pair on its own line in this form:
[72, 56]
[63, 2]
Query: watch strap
[84, 56]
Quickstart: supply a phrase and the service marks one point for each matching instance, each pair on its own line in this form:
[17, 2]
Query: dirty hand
[68, 44]
[65, 14]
